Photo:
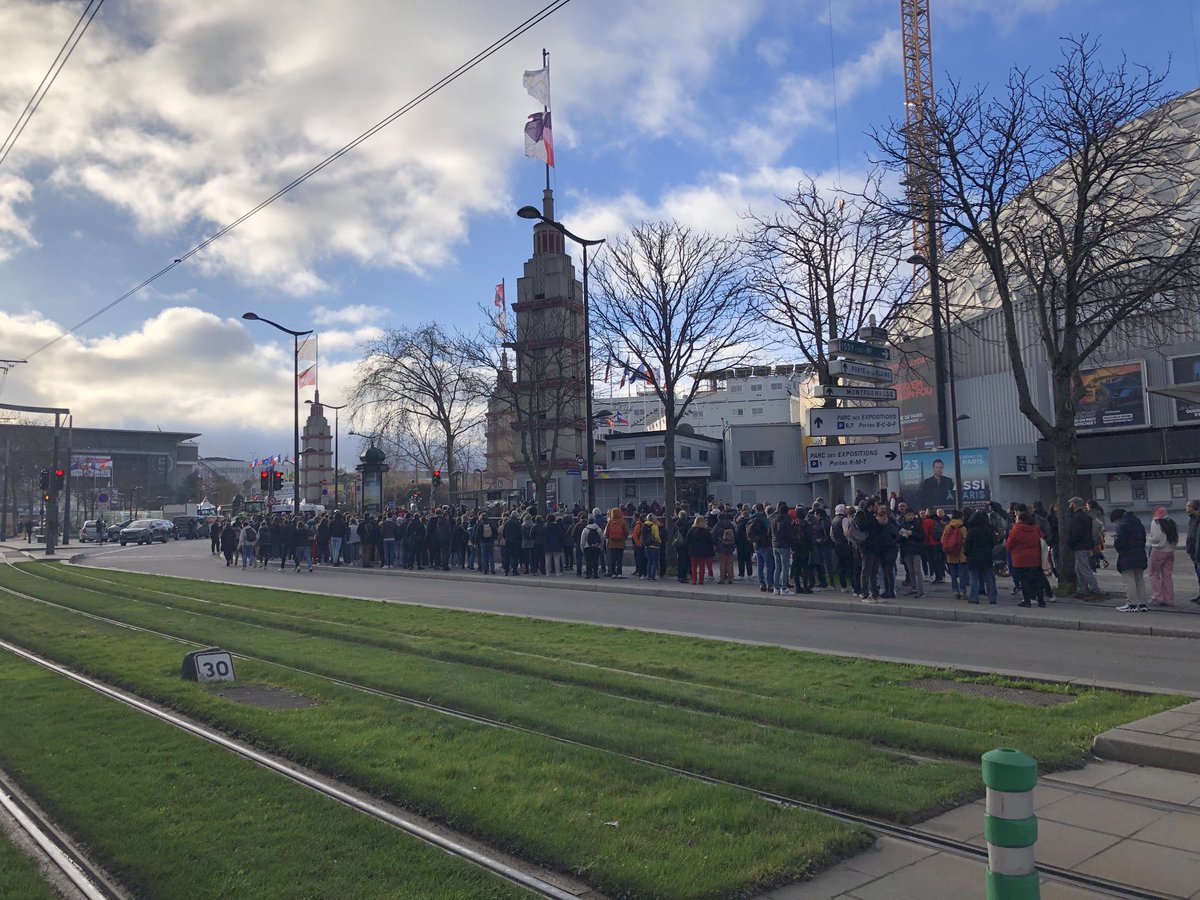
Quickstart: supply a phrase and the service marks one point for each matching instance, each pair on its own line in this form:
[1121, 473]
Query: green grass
[173, 816]
[829, 730]
[19, 876]
[519, 792]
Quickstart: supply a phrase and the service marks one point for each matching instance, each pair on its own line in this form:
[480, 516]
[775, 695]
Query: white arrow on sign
[857, 421]
[862, 371]
[842, 392]
[881, 457]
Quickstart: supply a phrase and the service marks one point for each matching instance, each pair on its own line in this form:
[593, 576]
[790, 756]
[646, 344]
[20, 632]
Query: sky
[171, 120]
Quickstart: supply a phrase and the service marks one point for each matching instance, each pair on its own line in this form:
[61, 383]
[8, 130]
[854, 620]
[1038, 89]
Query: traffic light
[59, 478]
[437, 477]
[44, 480]
[264, 480]
[45, 497]
[278, 480]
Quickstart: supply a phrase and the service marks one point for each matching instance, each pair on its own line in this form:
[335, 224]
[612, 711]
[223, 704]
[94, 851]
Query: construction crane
[922, 185]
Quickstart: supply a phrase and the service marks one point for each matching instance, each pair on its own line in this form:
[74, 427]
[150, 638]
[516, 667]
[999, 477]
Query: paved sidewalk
[1169, 739]
[1125, 823]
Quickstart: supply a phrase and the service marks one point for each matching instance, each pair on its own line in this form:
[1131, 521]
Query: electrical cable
[52, 74]
[479, 57]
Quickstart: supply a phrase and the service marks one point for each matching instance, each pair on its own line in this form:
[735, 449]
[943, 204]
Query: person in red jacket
[1024, 542]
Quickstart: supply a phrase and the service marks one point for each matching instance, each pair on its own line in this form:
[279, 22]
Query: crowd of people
[871, 549]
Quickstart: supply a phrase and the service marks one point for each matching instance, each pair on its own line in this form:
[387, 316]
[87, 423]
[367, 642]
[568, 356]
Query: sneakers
[1133, 607]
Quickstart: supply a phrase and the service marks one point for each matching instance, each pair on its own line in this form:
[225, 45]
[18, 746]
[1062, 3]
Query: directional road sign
[854, 393]
[861, 371]
[861, 420]
[881, 457]
[848, 347]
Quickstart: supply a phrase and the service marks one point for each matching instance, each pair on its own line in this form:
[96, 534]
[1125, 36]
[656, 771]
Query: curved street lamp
[532, 212]
[296, 335]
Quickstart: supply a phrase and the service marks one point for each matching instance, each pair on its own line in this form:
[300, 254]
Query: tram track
[908, 834]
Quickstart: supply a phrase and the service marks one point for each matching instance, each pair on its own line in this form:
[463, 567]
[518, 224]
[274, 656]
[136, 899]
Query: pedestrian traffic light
[44, 480]
[59, 478]
[437, 477]
[264, 479]
[278, 480]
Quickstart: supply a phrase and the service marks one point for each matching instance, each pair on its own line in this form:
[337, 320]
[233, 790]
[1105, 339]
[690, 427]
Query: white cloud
[15, 229]
[355, 314]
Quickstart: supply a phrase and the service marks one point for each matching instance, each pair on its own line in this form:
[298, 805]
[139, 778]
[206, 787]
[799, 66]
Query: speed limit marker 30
[213, 664]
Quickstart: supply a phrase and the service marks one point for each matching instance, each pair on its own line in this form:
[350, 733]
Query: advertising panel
[918, 402]
[91, 466]
[1114, 396]
[1186, 370]
[927, 478]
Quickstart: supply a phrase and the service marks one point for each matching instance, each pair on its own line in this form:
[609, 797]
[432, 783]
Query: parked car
[90, 532]
[146, 531]
[187, 527]
[114, 530]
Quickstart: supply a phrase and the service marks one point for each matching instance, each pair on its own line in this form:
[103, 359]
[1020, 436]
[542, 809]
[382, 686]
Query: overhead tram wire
[490, 50]
[49, 78]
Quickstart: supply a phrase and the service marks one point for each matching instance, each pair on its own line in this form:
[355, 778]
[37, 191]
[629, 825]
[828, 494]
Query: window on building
[757, 388]
[756, 411]
[657, 451]
[685, 452]
[699, 413]
[613, 455]
[703, 456]
[628, 454]
[740, 411]
[735, 389]
[757, 459]
[776, 385]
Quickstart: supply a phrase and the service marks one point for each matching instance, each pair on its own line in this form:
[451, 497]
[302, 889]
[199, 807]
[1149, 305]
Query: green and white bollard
[1010, 826]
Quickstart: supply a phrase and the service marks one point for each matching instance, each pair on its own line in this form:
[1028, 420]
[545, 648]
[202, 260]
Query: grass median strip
[19, 876]
[858, 699]
[820, 768]
[627, 829]
[170, 815]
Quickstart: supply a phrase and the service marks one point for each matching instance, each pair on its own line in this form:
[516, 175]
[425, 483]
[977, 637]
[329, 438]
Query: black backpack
[593, 536]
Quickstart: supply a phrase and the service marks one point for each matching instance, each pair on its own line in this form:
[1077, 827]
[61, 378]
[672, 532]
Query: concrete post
[1009, 825]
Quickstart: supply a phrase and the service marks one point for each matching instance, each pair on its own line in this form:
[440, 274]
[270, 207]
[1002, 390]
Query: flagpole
[546, 109]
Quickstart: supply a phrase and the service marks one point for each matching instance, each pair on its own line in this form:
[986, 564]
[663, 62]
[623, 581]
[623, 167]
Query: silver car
[145, 531]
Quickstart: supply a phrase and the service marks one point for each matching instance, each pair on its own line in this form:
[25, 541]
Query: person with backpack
[639, 552]
[843, 556]
[247, 538]
[302, 546]
[726, 541]
[683, 564]
[652, 545]
[262, 546]
[591, 542]
[745, 548]
[802, 553]
[953, 551]
[782, 539]
[1164, 538]
[758, 532]
[979, 545]
[616, 534]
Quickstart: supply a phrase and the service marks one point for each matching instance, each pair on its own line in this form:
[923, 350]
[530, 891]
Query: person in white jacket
[591, 542]
[1163, 539]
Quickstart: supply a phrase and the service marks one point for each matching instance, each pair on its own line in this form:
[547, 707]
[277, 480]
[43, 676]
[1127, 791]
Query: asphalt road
[1146, 662]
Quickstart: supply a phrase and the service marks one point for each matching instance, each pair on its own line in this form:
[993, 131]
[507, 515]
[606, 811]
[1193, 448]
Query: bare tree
[821, 269]
[542, 395]
[1072, 200]
[676, 301]
[412, 379]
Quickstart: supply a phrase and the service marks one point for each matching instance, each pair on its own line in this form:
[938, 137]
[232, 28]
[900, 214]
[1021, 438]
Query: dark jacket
[760, 524]
[881, 537]
[552, 537]
[1130, 544]
[512, 532]
[1193, 538]
[1079, 530]
[979, 542]
[700, 543]
[782, 531]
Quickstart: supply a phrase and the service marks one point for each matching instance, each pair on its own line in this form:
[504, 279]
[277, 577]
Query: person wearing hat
[1164, 538]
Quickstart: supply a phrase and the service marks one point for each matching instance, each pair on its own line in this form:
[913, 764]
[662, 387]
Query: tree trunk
[669, 491]
[450, 464]
[1066, 468]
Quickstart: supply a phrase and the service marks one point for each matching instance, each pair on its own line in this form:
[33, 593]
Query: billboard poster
[927, 478]
[918, 402]
[1186, 370]
[91, 466]
[1114, 396]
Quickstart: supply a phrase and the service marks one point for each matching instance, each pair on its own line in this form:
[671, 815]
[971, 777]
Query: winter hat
[596, 511]
[840, 509]
[1160, 513]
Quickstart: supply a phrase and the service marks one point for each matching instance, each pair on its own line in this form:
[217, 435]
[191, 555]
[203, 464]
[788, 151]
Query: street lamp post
[935, 277]
[336, 465]
[531, 212]
[296, 335]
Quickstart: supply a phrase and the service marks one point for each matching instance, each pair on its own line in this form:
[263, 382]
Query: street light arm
[918, 259]
[255, 317]
[531, 212]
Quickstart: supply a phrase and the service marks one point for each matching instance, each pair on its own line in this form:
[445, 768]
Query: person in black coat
[978, 547]
[879, 544]
[700, 548]
[510, 553]
[552, 547]
[683, 563]
[229, 541]
[1130, 544]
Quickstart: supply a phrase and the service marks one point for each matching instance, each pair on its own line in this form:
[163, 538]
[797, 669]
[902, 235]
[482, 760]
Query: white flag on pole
[537, 82]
